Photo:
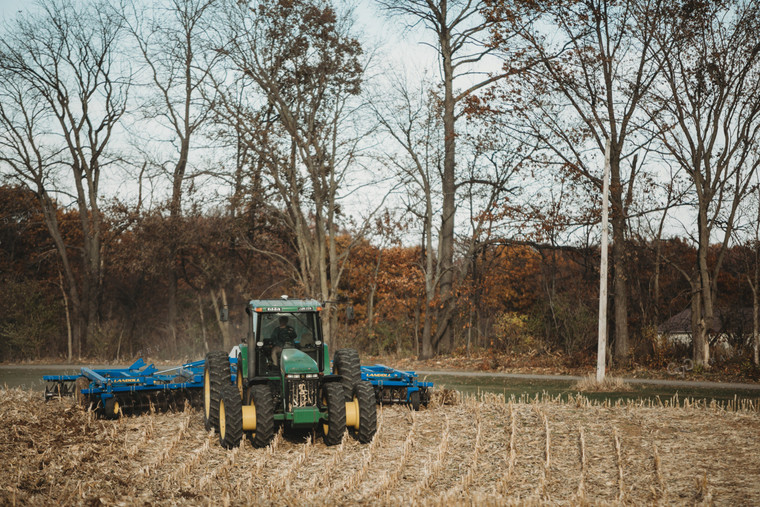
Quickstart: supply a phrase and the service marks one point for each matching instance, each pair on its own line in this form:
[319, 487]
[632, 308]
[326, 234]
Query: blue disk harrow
[140, 387]
[396, 386]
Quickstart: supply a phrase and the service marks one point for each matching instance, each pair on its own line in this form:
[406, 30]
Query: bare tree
[589, 68]
[172, 41]
[412, 120]
[460, 31]
[63, 92]
[308, 69]
[490, 191]
[654, 209]
[707, 115]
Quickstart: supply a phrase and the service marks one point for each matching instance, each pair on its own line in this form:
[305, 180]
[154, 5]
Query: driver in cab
[281, 335]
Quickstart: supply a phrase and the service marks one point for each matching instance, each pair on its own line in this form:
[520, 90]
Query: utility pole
[601, 351]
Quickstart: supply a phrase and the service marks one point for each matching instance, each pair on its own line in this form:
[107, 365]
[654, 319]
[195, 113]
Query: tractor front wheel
[261, 398]
[230, 417]
[216, 374]
[364, 397]
[335, 427]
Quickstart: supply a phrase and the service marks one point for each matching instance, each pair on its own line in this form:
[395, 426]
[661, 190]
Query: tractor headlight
[312, 375]
[292, 376]
[259, 344]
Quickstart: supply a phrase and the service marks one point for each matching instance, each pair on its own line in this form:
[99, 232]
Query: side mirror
[225, 314]
[350, 312]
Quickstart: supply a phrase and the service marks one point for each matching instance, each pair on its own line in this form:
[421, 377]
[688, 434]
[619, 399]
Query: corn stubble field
[485, 451]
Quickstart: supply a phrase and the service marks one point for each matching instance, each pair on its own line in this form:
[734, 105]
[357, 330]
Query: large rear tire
[216, 374]
[261, 398]
[346, 364]
[230, 417]
[364, 394]
[335, 427]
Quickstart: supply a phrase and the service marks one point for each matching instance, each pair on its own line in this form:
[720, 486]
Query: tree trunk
[755, 286]
[203, 325]
[171, 300]
[51, 220]
[445, 337]
[755, 317]
[224, 327]
[417, 328]
[69, 348]
[430, 275]
[701, 344]
[175, 214]
[372, 289]
[427, 345]
[620, 286]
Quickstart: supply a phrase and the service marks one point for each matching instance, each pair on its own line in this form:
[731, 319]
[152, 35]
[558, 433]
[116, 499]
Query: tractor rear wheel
[216, 374]
[364, 395]
[261, 398]
[230, 417]
[335, 427]
[346, 364]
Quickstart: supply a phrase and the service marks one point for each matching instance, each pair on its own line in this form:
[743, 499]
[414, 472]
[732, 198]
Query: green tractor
[281, 376]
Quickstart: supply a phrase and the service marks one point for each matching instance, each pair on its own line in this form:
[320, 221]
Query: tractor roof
[285, 305]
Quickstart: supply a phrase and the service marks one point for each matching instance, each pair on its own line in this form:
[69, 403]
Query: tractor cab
[280, 327]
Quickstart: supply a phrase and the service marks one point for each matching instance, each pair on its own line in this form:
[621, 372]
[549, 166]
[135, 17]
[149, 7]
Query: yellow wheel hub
[222, 417]
[352, 413]
[206, 394]
[249, 417]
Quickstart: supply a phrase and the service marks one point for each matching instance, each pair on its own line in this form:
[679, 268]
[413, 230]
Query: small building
[728, 328]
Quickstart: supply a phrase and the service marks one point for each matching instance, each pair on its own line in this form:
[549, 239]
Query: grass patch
[589, 384]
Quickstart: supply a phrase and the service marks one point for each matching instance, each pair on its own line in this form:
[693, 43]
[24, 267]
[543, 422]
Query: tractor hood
[295, 361]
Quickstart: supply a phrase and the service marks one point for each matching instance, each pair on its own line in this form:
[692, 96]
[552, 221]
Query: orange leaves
[509, 279]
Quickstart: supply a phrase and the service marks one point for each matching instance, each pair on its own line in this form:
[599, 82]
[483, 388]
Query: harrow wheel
[364, 427]
[346, 364]
[216, 374]
[333, 397]
[111, 408]
[261, 398]
[424, 396]
[414, 400]
[230, 417]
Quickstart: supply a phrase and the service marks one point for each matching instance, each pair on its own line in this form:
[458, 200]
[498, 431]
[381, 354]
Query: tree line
[165, 160]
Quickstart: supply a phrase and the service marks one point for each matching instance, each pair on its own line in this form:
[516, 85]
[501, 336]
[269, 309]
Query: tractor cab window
[297, 329]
